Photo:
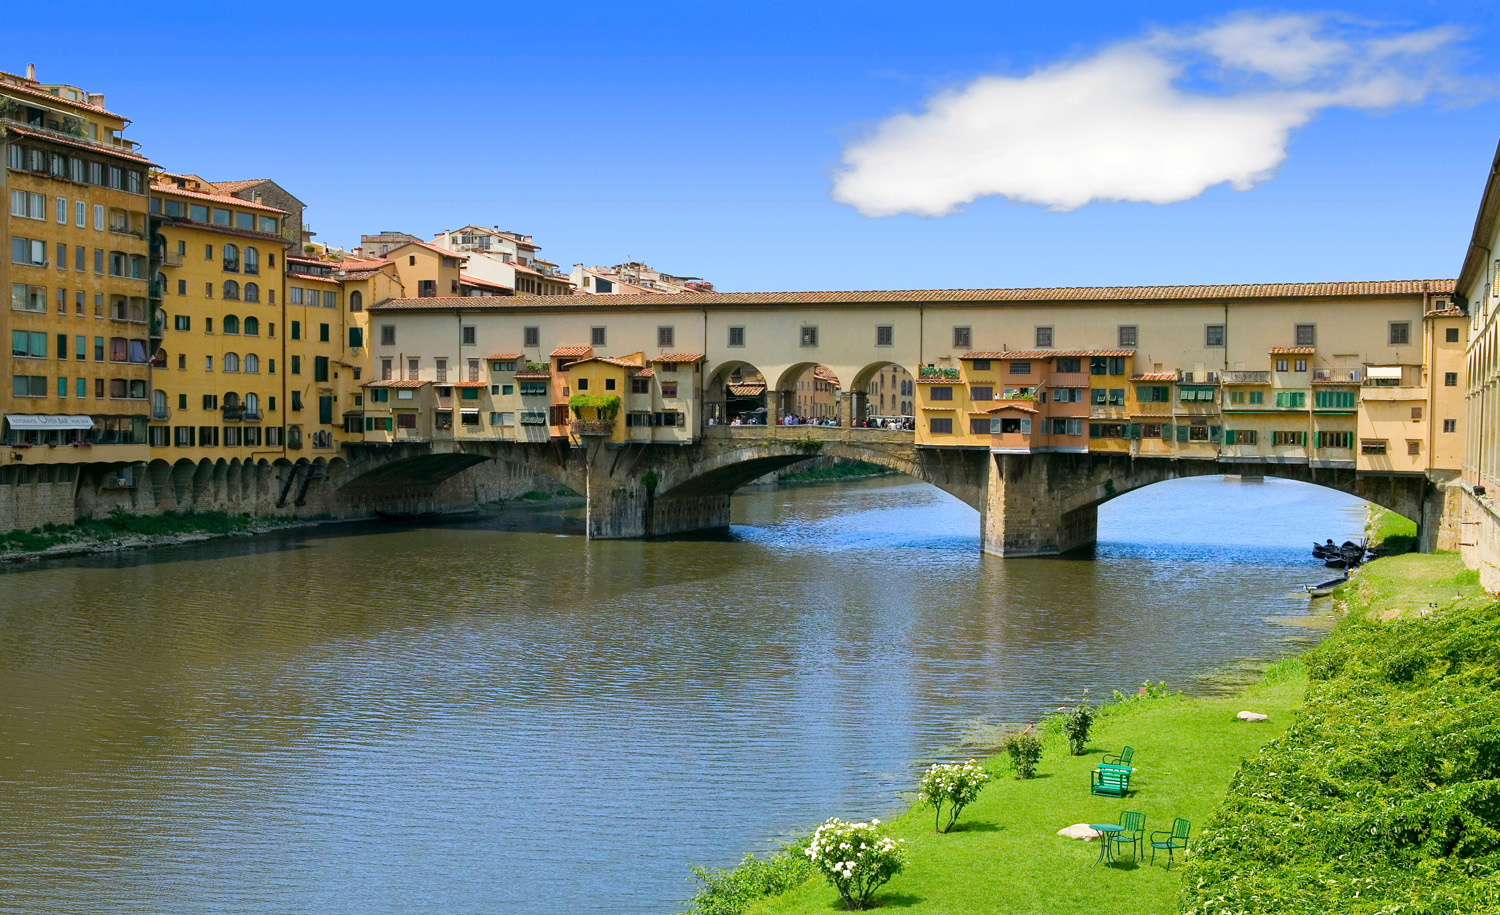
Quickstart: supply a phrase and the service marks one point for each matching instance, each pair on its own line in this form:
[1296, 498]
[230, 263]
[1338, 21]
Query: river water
[498, 716]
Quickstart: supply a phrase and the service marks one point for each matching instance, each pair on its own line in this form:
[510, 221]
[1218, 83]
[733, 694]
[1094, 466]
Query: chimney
[31, 72]
[96, 98]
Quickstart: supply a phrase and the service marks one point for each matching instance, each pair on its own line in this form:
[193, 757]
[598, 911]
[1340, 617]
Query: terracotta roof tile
[1293, 350]
[1155, 376]
[476, 281]
[536, 376]
[229, 187]
[747, 390]
[1137, 294]
[395, 384]
[1025, 406]
[468, 384]
[506, 356]
[1446, 313]
[56, 99]
[572, 351]
[215, 198]
[102, 148]
[678, 357]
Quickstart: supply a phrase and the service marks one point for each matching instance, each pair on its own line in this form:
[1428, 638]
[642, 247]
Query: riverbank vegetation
[119, 524]
[1373, 787]
[1388, 533]
[1004, 854]
[1385, 795]
[840, 470]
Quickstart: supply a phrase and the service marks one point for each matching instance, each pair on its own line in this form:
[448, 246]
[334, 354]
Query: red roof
[1138, 294]
[572, 351]
[468, 384]
[216, 198]
[57, 99]
[507, 356]
[1293, 350]
[395, 384]
[81, 144]
[523, 376]
[1024, 406]
[747, 390]
[1155, 376]
[1049, 353]
[678, 357]
[471, 280]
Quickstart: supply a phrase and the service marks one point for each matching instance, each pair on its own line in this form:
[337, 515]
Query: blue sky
[704, 138]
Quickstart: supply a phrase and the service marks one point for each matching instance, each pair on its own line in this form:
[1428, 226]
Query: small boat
[1326, 588]
[1346, 555]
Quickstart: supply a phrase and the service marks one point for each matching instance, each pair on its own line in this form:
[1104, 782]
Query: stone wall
[36, 495]
[1479, 541]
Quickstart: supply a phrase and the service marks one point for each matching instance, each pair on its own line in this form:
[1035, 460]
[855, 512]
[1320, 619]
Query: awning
[1384, 371]
[42, 421]
[475, 412]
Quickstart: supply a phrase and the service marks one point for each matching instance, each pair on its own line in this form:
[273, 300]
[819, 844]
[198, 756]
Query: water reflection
[478, 717]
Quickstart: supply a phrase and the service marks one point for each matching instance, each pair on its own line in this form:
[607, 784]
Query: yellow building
[79, 280]
[218, 386]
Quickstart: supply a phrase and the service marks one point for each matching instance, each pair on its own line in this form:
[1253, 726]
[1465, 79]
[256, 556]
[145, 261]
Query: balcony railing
[161, 413]
[1245, 377]
[233, 414]
[1338, 376]
[593, 426]
[252, 416]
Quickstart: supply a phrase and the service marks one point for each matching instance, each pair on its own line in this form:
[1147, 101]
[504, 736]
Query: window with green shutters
[468, 393]
[1292, 399]
[1195, 394]
[1182, 433]
[1257, 397]
[1153, 393]
[1099, 396]
[1335, 400]
[325, 410]
[320, 368]
[356, 336]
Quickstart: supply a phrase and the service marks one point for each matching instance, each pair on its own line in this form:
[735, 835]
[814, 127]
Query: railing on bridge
[808, 433]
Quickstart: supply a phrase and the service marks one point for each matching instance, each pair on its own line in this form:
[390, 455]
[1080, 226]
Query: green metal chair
[1121, 759]
[1133, 834]
[1177, 838]
[1110, 781]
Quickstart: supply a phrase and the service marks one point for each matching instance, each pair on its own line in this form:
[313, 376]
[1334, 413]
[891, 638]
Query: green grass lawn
[1005, 856]
[1408, 584]
[1389, 533]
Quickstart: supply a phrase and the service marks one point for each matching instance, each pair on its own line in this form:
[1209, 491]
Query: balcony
[1230, 378]
[232, 414]
[1068, 380]
[1152, 409]
[252, 416]
[593, 427]
[161, 413]
[1338, 376]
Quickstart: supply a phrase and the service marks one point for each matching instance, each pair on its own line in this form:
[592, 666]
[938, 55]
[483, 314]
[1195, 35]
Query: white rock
[1079, 831]
[1252, 716]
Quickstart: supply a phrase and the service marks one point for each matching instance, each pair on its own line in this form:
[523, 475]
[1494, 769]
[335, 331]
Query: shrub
[732, 891]
[1025, 749]
[1076, 722]
[857, 858]
[954, 784]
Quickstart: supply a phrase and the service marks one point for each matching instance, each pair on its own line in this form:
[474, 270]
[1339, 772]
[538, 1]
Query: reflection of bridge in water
[1029, 504]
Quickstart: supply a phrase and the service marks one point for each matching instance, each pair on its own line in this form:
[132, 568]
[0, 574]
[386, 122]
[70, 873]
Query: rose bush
[857, 858]
[954, 784]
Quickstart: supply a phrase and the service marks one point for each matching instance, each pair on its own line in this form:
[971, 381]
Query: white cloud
[1157, 120]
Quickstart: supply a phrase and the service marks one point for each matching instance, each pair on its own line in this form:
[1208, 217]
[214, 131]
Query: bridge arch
[809, 390]
[884, 390]
[736, 390]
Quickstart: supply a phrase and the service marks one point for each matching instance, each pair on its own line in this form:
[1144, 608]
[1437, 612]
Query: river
[495, 715]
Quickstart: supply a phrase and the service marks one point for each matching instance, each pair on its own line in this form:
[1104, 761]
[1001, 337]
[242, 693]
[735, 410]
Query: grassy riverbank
[842, 470]
[1005, 856]
[118, 525]
[1381, 795]
[1388, 533]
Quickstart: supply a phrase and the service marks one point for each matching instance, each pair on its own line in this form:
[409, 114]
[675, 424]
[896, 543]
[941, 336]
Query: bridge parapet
[852, 435]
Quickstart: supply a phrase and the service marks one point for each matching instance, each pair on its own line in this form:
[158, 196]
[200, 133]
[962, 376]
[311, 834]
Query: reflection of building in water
[816, 395]
[890, 392]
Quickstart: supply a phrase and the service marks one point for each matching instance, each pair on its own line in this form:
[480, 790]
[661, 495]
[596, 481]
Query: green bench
[1111, 781]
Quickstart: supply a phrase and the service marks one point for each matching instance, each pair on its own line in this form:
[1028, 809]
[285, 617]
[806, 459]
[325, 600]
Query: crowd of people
[890, 423]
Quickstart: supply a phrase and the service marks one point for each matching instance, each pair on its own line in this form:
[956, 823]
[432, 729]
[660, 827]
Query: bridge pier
[624, 510]
[1032, 506]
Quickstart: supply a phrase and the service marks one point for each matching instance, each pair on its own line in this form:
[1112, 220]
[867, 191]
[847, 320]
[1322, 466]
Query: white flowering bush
[953, 784]
[857, 858]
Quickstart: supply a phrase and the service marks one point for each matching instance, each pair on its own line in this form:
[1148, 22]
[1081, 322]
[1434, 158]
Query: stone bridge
[1029, 504]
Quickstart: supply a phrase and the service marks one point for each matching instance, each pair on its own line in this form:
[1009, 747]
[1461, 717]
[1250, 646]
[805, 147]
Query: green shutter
[1166, 432]
[325, 410]
[389, 423]
[1229, 436]
[1213, 433]
[1182, 433]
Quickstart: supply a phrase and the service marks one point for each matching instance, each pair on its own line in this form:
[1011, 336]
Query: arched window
[356, 301]
[231, 364]
[231, 323]
[232, 258]
[252, 402]
[252, 364]
[252, 292]
[252, 261]
[231, 291]
[252, 326]
[231, 400]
